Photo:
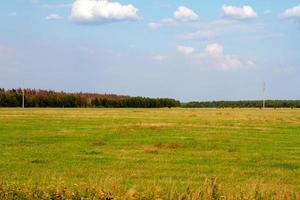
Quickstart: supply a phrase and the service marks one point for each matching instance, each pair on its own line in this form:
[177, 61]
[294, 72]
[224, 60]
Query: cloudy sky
[189, 50]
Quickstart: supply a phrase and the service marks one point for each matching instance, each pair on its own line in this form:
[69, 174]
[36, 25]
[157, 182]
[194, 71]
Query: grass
[250, 152]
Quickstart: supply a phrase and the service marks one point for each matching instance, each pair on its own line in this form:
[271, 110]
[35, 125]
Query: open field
[125, 151]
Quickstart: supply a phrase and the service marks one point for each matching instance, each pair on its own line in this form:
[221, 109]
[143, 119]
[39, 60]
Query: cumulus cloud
[243, 13]
[292, 13]
[53, 17]
[215, 54]
[181, 15]
[226, 63]
[214, 49]
[185, 14]
[102, 11]
[185, 49]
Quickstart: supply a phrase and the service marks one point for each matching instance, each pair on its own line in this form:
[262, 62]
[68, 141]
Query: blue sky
[189, 50]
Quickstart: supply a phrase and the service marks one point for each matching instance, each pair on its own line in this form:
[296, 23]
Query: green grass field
[126, 151]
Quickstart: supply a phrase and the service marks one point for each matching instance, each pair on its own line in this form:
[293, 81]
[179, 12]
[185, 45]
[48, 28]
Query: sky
[188, 50]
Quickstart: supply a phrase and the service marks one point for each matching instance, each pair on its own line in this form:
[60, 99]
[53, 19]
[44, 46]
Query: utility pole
[23, 98]
[264, 95]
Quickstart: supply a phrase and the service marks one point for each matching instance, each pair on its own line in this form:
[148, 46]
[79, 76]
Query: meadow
[164, 153]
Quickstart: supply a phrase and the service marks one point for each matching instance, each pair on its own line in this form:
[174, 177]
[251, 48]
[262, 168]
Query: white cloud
[243, 13]
[185, 50]
[185, 14]
[215, 53]
[202, 34]
[292, 13]
[53, 17]
[214, 49]
[181, 15]
[232, 63]
[215, 57]
[226, 63]
[102, 11]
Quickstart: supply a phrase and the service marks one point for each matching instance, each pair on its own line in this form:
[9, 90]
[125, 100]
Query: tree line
[136, 102]
[49, 98]
[244, 104]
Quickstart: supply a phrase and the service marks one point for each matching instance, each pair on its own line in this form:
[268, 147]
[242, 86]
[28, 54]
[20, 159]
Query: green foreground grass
[150, 153]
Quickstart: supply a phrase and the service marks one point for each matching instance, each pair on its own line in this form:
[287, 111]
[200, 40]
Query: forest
[244, 104]
[49, 98]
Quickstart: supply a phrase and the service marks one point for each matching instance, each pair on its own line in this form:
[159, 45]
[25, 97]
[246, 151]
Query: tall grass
[209, 190]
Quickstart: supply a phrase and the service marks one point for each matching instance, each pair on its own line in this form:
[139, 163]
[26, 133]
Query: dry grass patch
[133, 126]
[156, 148]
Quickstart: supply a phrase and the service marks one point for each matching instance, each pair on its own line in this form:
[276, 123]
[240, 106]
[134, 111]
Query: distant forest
[244, 104]
[49, 98]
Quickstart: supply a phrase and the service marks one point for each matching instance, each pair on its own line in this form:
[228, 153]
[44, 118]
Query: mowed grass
[142, 148]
